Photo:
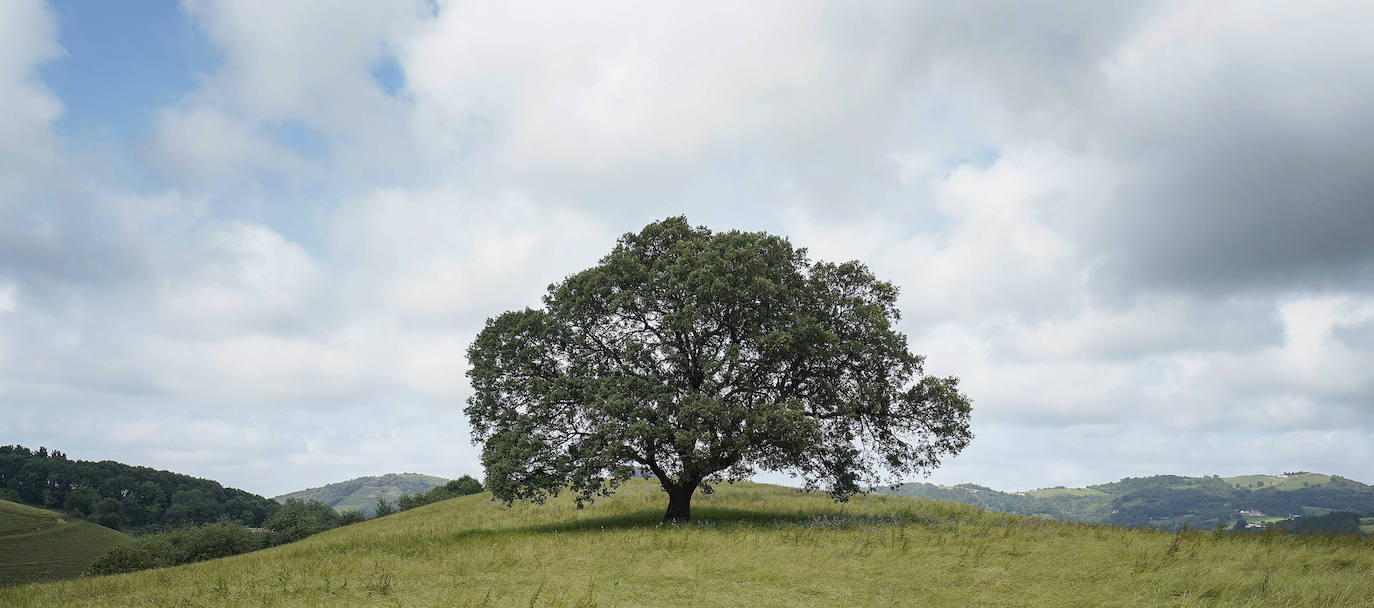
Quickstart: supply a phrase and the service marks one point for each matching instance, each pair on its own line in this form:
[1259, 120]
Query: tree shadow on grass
[702, 517]
[705, 518]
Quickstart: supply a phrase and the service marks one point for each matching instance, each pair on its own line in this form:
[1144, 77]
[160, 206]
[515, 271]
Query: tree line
[120, 496]
[293, 521]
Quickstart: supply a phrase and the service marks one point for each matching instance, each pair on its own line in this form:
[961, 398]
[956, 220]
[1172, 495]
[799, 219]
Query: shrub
[180, 546]
[384, 507]
[351, 516]
[220, 539]
[154, 551]
[464, 486]
[298, 519]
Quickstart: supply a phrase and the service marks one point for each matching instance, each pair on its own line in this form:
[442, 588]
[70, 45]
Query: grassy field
[751, 545]
[39, 545]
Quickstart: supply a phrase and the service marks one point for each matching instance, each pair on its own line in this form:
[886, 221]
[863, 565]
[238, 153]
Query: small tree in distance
[704, 357]
[464, 486]
[384, 507]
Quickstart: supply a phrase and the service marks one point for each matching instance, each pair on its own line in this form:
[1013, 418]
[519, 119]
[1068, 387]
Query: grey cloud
[1244, 146]
[1358, 336]
[1230, 196]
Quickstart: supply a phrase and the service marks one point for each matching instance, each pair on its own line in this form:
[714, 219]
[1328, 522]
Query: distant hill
[362, 493]
[40, 545]
[1168, 501]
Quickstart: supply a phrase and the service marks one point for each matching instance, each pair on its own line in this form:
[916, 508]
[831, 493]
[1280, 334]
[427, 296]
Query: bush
[351, 516]
[220, 539]
[384, 507]
[180, 546]
[410, 501]
[464, 486]
[298, 519]
[154, 551]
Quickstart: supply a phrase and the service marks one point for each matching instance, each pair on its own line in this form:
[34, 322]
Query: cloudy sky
[251, 240]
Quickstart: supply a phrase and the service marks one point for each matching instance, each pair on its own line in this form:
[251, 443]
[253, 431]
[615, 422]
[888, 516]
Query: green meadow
[40, 545]
[749, 545]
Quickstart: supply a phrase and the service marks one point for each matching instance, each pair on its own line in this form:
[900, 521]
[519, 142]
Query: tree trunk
[679, 503]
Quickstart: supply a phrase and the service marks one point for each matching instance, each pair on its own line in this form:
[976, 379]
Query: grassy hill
[1168, 501]
[362, 492]
[750, 545]
[40, 545]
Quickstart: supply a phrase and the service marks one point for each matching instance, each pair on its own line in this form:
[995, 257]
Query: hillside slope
[751, 545]
[1168, 501]
[39, 545]
[362, 492]
[139, 496]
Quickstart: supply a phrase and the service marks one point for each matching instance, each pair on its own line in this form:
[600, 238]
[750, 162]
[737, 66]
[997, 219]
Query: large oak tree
[704, 357]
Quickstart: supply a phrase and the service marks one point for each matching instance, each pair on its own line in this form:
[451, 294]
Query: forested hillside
[121, 496]
[1168, 501]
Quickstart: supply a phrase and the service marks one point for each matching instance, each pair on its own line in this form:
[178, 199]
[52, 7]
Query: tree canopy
[119, 495]
[703, 357]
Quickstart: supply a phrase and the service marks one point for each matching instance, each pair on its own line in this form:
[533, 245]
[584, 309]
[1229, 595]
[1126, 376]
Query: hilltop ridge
[1169, 501]
[362, 492]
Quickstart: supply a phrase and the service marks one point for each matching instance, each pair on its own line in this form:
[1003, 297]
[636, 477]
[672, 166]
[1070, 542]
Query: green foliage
[152, 551]
[351, 516]
[463, 486]
[110, 513]
[185, 545]
[704, 357]
[750, 545]
[146, 498]
[80, 502]
[383, 508]
[1340, 522]
[298, 519]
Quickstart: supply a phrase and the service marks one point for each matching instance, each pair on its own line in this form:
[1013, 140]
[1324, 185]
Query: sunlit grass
[751, 545]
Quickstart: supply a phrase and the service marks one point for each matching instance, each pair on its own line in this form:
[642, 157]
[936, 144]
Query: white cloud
[244, 275]
[28, 39]
[205, 145]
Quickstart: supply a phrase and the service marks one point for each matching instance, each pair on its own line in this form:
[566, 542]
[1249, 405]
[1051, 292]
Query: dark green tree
[463, 486]
[298, 519]
[80, 502]
[704, 357]
[110, 513]
[383, 508]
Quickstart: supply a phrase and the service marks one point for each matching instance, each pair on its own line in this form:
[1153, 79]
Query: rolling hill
[1168, 501]
[122, 496]
[750, 545]
[362, 492]
[39, 545]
